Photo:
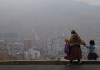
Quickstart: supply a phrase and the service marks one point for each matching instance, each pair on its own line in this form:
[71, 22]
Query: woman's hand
[83, 43]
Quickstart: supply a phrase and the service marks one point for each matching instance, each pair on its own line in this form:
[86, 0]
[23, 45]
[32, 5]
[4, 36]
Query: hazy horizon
[51, 17]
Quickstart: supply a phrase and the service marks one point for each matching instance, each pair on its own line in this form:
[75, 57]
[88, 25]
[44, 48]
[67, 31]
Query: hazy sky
[50, 16]
[92, 2]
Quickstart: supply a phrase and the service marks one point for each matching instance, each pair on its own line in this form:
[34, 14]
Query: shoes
[70, 64]
[79, 63]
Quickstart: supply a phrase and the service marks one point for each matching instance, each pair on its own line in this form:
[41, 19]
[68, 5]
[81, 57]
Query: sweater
[91, 48]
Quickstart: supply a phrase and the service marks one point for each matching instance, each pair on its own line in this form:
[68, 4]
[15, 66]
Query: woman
[75, 52]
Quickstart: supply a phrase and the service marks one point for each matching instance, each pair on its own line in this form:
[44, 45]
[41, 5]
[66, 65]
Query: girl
[92, 54]
[66, 48]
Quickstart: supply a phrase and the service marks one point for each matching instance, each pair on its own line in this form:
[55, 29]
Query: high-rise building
[3, 46]
[28, 43]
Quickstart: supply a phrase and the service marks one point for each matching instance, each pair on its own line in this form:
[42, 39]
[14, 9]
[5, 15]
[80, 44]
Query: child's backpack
[66, 48]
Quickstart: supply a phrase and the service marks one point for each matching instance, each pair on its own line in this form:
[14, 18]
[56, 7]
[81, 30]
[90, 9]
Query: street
[49, 67]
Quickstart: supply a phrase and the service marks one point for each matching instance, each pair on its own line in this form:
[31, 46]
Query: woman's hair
[73, 32]
[92, 42]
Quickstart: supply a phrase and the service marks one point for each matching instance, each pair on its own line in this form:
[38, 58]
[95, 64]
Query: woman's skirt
[92, 56]
[75, 53]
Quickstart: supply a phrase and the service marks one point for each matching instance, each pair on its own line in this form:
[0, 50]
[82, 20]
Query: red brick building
[28, 44]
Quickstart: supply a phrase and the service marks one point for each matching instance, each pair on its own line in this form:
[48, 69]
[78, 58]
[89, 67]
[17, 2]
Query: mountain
[49, 17]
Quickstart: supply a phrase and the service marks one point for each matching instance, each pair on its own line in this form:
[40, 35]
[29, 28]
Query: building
[3, 46]
[28, 43]
[16, 49]
[32, 54]
[3, 51]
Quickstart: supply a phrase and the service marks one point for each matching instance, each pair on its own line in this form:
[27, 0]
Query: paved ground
[49, 67]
